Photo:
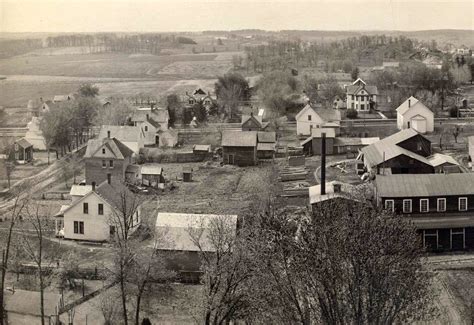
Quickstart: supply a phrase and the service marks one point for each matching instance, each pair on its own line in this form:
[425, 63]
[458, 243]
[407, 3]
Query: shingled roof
[239, 139]
[389, 147]
[123, 133]
[115, 146]
[354, 89]
[424, 185]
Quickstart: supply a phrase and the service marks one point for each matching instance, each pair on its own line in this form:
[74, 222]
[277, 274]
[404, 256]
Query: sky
[198, 15]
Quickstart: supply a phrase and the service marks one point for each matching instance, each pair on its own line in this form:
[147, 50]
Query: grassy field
[94, 65]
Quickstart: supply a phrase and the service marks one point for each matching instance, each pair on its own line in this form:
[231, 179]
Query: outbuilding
[239, 148]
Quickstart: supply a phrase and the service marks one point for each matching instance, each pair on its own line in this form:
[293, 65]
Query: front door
[230, 159]
[157, 139]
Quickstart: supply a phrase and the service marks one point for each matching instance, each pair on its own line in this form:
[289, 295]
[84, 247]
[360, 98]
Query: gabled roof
[438, 159]
[256, 118]
[414, 102]
[199, 91]
[239, 138]
[123, 133]
[117, 195]
[159, 115]
[354, 89]
[114, 146]
[326, 114]
[359, 81]
[424, 185]
[23, 143]
[389, 146]
[178, 227]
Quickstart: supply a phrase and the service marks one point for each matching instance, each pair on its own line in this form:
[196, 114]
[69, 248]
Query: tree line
[337, 55]
[109, 42]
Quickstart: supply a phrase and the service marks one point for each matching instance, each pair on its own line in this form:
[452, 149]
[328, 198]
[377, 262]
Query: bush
[351, 113]
[453, 111]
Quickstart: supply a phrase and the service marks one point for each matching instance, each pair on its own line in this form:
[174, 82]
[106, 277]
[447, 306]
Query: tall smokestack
[323, 163]
[409, 103]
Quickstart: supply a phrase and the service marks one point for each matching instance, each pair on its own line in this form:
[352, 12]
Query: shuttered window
[407, 206]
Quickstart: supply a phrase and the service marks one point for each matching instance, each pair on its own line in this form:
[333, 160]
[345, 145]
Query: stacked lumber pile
[289, 173]
[295, 189]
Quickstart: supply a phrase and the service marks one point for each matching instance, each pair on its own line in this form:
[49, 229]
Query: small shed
[152, 175]
[266, 143]
[187, 174]
[202, 149]
[23, 151]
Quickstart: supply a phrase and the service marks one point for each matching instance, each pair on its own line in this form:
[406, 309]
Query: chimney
[93, 186]
[409, 102]
[109, 178]
[148, 116]
[323, 163]
[108, 134]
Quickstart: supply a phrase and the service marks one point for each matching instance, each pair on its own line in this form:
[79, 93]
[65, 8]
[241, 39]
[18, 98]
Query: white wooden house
[412, 113]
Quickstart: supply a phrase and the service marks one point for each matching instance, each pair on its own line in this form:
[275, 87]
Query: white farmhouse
[310, 118]
[412, 113]
[360, 96]
[96, 214]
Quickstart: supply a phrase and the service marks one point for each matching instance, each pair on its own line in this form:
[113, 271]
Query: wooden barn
[266, 145]
[239, 148]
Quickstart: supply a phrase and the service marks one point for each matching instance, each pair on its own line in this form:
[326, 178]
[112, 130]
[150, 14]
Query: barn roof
[424, 185]
[388, 146]
[239, 138]
[266, 147]
[178, 227]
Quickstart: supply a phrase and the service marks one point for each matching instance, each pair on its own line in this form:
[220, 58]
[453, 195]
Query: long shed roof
[424, 185]
[239, 139]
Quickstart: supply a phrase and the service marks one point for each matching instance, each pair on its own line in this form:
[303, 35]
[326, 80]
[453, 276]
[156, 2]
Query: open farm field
[95, 65]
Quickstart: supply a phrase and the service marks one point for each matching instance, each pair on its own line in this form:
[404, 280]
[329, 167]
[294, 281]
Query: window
[111, 163]
[352, 97]
[79, 227]
[85, 208]
[146, 128]
[430, 238]
[309, 117]
[457, 238]
[103, 151]
[389, 205]
[462, 204]
[441, 205]
[407, 206]
[104, 164]
[112, 230]
[362, 106]
[424, 205]
[100, 209]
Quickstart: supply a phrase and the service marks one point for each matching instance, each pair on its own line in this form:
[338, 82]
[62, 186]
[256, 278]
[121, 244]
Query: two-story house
[360, 96]
[200, 96]
[441, 206]
[100, 213]
[311, 118]
[152, 122]
[106, 159]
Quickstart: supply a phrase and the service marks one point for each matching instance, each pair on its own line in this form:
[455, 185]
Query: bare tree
[34, 245]
[148, 266]
[347, 263]
[14, 214]
[124, 219]
[109, 307]
[225, 270]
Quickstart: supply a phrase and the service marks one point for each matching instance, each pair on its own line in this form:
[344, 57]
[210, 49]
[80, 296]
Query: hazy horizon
[71, 16]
